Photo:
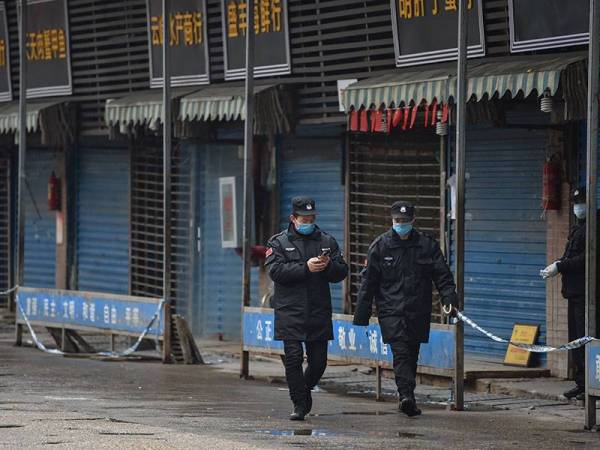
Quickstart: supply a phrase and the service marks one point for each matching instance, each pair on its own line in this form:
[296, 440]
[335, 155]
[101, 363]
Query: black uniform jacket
[399, 276]
[572, 264]
[302, 300]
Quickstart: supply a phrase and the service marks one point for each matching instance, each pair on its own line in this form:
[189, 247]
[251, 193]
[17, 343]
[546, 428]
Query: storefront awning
[227, 103]
[54, 119]
[492, 78]
[141, 108]
[9, 115]
[217, 103]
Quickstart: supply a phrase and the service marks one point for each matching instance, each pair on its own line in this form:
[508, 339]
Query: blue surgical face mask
[305, 228]
[579, 209]
[403, 228]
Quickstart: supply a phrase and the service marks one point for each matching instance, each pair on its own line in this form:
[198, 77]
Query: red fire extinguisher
[551, 192]
[53, 193]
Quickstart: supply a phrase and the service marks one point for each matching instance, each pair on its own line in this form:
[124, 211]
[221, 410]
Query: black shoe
[572, 393]
[299, 413]
[409, 407]
[308, 401]
[581, 397]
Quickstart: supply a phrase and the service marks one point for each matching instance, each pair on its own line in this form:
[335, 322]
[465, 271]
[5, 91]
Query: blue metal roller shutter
[103, 219]
[40, 224]
[312, 167]
[505, 236]
[218, 285]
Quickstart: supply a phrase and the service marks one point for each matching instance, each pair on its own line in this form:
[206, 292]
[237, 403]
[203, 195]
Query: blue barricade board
[593, 367]
[118, 314]
[360, 345]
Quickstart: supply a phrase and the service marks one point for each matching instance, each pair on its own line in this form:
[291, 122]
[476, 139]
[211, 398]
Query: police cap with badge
[403, 210]
[579, 195]
[303, 206]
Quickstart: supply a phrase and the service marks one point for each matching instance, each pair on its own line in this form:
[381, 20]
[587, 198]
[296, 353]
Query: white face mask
[579, 210]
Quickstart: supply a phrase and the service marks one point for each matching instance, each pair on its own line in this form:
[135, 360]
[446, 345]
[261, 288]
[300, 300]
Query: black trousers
[577, 330]
[299, 381]
[406, 355]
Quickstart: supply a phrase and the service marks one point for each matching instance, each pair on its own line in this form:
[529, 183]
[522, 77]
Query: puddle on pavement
[404, 435]
[361, 413]
[299, 432]
[12, 426]
[124, 433]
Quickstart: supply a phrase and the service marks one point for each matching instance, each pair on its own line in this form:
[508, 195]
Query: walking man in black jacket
[302, 261]
[572, 268]
[401, 266]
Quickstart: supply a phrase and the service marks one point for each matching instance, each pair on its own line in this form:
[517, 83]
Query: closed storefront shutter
[40, 224]
[313, 167]
[381, 174]
[147, 223]
[219, 279]
[5, 227]
[103, 218]
[505, 245]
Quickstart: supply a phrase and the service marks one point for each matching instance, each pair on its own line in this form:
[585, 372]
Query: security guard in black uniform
[401, 266]
[572, 268]
[302, 261]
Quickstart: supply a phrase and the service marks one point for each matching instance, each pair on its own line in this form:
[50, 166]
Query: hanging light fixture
[546, 103]
[441, 128]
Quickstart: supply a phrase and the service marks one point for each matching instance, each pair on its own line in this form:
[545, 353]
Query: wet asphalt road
[79, 403]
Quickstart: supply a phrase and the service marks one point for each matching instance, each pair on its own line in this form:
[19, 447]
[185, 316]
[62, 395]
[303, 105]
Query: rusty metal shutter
[147, 223]
[380, 174]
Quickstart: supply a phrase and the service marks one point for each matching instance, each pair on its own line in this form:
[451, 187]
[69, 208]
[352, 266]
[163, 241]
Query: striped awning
[217, 103]
[9, 115]
[486, 79]
[141, 108]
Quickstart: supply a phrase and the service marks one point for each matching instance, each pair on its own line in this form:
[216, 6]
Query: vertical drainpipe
[22, 145]
[166, 104]
[461, 107]
[248, 175]
[591, 275]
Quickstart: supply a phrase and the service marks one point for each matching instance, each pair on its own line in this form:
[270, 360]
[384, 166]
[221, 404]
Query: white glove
[550, 271]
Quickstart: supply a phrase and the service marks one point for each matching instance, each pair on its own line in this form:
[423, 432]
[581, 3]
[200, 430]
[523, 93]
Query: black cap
[579, 194]
[303, 206]
[403, 210]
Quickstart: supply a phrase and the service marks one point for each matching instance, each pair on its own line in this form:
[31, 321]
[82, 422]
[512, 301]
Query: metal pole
[461, 107]
[22, 143]
[592, 167]
[166, 178]
[248, 175]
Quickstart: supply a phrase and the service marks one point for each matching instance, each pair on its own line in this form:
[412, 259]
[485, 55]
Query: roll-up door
[5, 227]
[147, 223]
[505, 241]
[313, 167]
[40, 224]
[380, 174]
[103, 219]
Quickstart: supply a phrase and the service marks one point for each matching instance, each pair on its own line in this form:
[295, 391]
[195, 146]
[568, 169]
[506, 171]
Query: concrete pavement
[80, 403]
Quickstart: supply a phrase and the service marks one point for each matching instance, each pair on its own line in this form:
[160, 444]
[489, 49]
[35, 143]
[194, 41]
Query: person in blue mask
[302, 261]
[572, 268]
[402, 266]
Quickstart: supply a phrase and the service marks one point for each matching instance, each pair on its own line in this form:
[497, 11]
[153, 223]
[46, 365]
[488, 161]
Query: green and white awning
[9, 115]
[141, 108]
[218, 103]
[494, 78]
